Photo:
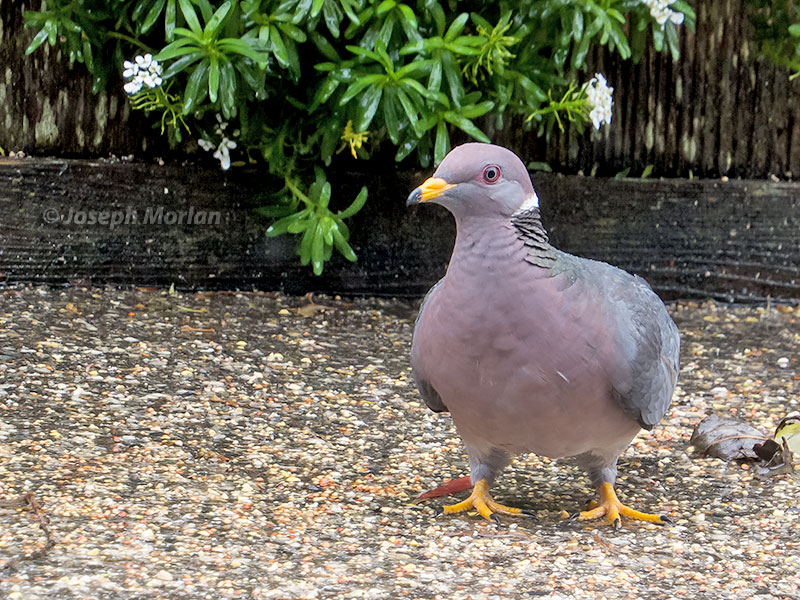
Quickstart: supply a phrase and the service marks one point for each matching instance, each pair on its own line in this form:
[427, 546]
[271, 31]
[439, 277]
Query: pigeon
[531, 349]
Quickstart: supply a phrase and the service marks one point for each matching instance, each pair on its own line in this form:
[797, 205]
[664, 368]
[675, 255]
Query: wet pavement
[252, 445]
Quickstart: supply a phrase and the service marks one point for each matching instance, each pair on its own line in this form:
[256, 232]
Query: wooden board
[735, 240]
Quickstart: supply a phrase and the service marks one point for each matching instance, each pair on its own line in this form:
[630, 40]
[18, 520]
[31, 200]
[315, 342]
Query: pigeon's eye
[491, 174]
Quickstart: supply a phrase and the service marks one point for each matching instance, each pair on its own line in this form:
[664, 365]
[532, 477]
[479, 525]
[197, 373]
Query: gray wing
[650, 345]
[426, 389]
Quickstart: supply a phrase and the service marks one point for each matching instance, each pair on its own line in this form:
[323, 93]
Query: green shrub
[776, 31]
[302, 80]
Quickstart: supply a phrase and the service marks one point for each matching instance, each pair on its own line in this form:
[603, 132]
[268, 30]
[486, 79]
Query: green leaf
[577, 23]
[316, 6]
[179, 47]
[328, 224]
[324, 46]
[367, 107]
[88, 57]
[435, 78]
[477, 110]
[658, 37]
[317, 249]
[324, 92]
[466, 126]
[191, 17]
[540, 166]
[227, 88]
[421, 90]
[385, 7]
[358, 86]
[672, 41]
[453, 76]
[214, 26]
[298, 226]
[181, 64]
[37, 41]
[355, 206]
[206, 10]
[325, 195]
[293, 32]
[196, 88]
[151, 16]
[579, 54]
[52, 32]
[332, 16]
[281, 226]
[456, 27]
[342, 246]
[442, 143]
[213, 78]
[305, 246]
[410, 111]
[794, 30]
[170, 16]
[437, 13]
[410, 19]
[278, 47]
[241, 47]
[390, 117]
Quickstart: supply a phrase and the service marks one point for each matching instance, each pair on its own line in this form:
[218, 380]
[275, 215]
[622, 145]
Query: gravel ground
[250, 445]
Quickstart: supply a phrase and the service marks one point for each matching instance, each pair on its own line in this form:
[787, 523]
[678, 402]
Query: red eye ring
[491, 174]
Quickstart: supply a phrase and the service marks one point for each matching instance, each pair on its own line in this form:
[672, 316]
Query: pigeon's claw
[481, 501]
[612, 509]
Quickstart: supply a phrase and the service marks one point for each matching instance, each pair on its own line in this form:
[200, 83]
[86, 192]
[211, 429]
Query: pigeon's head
[479, 180]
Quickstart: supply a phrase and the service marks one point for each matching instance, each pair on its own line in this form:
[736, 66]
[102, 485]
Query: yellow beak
[430, 189]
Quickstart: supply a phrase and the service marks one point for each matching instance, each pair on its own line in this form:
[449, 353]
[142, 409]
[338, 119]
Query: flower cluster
[355, 140]
[661, 12]
[598, 94]
[143, 71]
[223, 148]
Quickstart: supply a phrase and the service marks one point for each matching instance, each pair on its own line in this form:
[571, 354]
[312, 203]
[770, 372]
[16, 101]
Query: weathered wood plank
[719, 110]
[735, 240]
[47, 105]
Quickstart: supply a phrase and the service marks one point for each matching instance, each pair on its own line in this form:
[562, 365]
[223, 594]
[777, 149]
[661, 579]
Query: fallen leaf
[728, 439]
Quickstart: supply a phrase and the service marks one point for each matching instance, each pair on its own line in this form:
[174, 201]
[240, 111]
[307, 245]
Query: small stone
[719, 392]
[783, 362]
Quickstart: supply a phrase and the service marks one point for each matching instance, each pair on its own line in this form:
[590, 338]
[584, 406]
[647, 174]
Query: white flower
[222, 150]
[223, 153]
[143, 71]
[132, 87]
[661, 12]
[598, 94]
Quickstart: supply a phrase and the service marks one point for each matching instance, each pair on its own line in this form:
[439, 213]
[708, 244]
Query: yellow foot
[611, 508]
[481, 501]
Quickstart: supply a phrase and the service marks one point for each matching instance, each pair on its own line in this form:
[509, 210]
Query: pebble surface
[253, 445]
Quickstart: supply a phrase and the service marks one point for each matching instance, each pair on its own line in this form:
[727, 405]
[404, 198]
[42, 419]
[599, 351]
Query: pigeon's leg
[484, 466]
[481, 501]
[602, 470]
[611, 508]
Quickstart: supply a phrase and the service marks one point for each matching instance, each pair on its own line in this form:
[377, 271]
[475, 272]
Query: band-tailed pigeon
[532, 349]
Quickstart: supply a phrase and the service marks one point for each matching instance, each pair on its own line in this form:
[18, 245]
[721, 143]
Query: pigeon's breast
[517, 355]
